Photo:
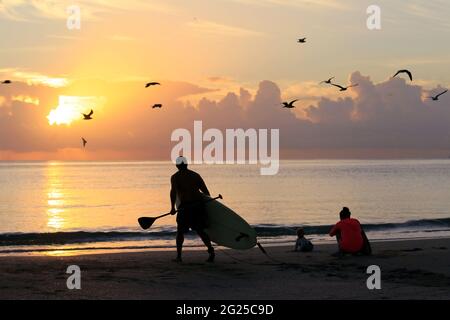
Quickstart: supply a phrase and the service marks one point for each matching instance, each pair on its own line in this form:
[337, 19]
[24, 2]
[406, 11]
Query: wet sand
[410, 269]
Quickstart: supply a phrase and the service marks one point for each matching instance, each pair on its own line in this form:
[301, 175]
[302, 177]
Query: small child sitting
[303, 244]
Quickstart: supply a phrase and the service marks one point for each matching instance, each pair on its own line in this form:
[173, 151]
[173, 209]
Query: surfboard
[226, 228]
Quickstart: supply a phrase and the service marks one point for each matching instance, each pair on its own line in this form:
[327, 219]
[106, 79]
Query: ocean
[62, 208]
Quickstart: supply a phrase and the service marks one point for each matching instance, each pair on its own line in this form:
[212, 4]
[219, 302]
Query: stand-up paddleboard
[227, 228]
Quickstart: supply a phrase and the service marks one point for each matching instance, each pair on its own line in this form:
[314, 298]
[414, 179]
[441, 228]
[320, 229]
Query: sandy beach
[413, 269]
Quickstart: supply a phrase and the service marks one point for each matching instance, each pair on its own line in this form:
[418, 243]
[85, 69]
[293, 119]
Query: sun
[70, 109]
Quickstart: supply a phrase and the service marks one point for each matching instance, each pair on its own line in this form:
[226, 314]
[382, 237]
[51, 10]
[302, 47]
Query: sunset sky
[228, 63]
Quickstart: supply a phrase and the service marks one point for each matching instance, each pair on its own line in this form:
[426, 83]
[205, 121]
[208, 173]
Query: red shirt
[351, 235]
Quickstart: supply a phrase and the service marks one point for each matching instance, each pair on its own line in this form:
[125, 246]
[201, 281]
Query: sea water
[62, 207]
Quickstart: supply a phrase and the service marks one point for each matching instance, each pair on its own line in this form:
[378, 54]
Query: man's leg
[180, 240]
[207, 242]
[200, 221]
[182, 228]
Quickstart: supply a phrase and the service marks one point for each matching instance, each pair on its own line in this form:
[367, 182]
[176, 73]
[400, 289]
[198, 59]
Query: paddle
[146, 222]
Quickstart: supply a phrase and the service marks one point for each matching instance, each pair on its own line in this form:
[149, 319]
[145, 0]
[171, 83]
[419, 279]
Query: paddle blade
[146, 222]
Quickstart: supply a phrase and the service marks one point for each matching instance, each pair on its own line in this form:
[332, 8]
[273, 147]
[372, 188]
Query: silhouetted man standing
[188, 186]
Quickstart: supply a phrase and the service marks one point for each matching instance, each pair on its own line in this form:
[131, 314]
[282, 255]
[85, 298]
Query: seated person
[302, 244]
[350, 235]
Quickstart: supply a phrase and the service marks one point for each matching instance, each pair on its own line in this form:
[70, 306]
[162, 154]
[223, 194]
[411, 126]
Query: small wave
[268, 230]
[263, 230]
[21, 239]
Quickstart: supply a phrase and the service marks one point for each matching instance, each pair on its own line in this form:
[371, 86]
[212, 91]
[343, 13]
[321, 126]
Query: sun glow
[70, 108]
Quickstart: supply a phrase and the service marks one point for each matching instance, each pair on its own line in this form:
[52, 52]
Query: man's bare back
[187, 184]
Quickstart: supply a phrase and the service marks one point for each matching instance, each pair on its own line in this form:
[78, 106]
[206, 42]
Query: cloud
[429, 11]
[26, 99]
[333, 4]
[23, 10]
[219, 79]
[331, 112]
[386, 119]
[25, 129]
[310, 93]
[214, 28]
[33, 78]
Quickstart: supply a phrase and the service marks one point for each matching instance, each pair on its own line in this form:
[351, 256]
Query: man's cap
[181, 160]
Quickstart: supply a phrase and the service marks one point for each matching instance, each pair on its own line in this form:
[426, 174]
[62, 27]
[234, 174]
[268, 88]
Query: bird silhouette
[289, 105]
[157, 105]
[404, 71]
[327, 81]
[344, 88]
[302, 40]
[436, 98]
[88, 116]
[84, 142]
[6, 82]
[152, 84]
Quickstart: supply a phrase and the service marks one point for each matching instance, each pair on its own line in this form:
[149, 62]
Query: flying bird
[6, 82]
[302, 40]
[344, 88]
[327, 81]
[289, 105]
[88, 116]
[152, 84]
[84, 142]
[436, 98]
[404, 71]
[157, 105]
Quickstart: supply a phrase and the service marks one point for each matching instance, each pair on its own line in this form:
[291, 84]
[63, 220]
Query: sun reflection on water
[61, 253]
[55, 200]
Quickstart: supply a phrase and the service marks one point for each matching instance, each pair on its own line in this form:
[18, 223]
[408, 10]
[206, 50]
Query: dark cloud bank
[390, 119]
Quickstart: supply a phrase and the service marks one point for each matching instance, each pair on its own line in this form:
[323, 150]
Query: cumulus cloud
[387, 119]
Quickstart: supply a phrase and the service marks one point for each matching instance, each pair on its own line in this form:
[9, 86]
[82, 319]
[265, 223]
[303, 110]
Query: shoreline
[20, 251]
[410, 269]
